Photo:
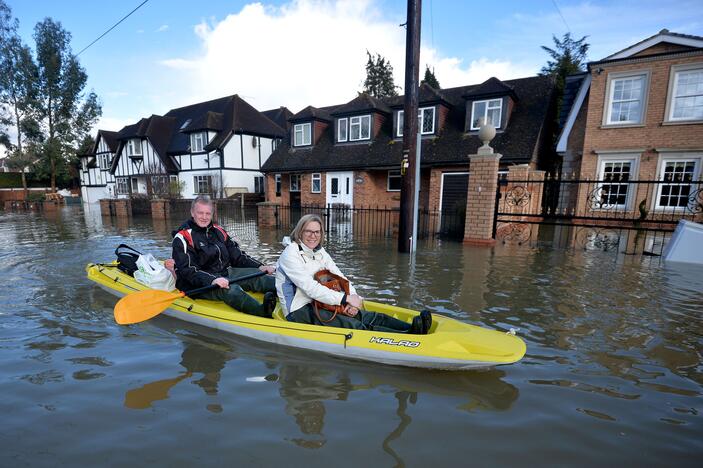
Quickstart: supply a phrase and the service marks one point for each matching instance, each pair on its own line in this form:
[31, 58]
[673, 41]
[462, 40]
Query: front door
[340, 188]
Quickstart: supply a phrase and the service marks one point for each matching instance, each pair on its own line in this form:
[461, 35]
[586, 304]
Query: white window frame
[316, 177]
[676, 72]
[342, 123]
[104, 161]
[132, 146]
[485, 111]
[197, 142]
[302, 129]
[420, 119]
[634, 160]
[294, 187]
[613, 78]
[393, 173]
[135, 184]
[277, 184]
[197, 180]
[696, 158]
[357, 121]
[121, 186]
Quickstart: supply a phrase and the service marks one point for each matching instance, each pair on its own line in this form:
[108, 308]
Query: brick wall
[308, 198]
[442, 113]
[481, 197]
[378, 121]
[318, 128]
[642, 139]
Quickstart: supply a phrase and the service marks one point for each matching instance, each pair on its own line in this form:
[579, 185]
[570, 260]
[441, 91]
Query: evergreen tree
[429, 78]
[567, 58]
[64, 113]
[379, 77]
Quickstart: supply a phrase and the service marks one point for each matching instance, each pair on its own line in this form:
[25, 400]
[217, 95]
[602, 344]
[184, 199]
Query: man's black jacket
[203, 254]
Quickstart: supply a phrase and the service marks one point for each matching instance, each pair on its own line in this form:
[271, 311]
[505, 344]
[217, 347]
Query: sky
[295, 53]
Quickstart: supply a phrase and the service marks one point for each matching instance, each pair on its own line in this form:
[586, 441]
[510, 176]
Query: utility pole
[412, 75]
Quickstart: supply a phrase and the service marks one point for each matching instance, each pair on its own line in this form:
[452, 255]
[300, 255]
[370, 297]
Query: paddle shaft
[215, 286]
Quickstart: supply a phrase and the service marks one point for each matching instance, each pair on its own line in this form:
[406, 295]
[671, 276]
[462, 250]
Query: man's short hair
[203, 200]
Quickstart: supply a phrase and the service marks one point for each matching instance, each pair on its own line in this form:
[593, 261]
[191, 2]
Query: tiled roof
[110, 140]
[571, 89]
[279, 116]
[158, 130]
[426, 95]
[492, 87]
[310, 113]
[661, 36]
[517, 143]
[362, 103]
[207, 121]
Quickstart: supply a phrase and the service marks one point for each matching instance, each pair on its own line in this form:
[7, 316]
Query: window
[626, 99]
[277, 179]
[342, 129]
[104, 161]
[613, 190]
[316, 185]
[134, 147]
[686, 102]
[425, 121]
[395, 181]
[202, 183]
[678, 175]
[295, 182]
[490, 110]
[360, 128]
[197, 142]
[259, 184]
[135, 185]
[301, 134]
[122, 187]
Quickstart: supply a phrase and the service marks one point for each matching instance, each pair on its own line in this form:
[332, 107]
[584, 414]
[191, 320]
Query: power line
[113, 27]
[562, 16]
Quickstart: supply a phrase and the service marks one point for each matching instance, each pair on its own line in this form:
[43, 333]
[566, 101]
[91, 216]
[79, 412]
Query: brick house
[637, 115]
[351, 153]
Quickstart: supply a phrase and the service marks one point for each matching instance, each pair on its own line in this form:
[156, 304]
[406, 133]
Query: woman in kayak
[298, 290]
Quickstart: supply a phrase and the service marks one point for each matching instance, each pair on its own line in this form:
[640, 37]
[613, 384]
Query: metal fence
[646, 204]
[371, 221]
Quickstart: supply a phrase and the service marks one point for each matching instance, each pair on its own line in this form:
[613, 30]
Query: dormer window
[134, 147]
[360, 128]
[342, 129]
[425, 121]
[197, 142]
[302, 134]
[490, 110]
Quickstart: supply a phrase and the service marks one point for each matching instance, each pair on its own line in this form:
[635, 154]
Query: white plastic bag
[150, 272]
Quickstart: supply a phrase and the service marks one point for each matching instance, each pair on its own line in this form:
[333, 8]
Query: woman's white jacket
[295, 283]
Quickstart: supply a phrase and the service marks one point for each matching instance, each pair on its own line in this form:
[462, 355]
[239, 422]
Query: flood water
[612, 374]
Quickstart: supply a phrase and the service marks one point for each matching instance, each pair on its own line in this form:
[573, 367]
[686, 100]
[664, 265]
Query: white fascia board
[573, 113]
[685, 41]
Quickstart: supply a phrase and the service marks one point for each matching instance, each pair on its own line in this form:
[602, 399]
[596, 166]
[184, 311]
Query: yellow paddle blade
[143, 305]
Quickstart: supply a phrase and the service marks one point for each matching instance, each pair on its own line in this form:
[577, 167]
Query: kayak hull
[451, 344]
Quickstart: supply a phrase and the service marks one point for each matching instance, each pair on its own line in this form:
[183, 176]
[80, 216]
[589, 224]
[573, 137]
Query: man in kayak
[306, 300]
[205, 254]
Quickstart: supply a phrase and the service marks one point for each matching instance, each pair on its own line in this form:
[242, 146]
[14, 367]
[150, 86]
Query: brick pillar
[481, 197]
[160, 209]
[267, 214]
[123, 207]
[106, 207]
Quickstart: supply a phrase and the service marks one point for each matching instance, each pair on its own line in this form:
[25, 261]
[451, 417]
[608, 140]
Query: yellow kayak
[451, 344]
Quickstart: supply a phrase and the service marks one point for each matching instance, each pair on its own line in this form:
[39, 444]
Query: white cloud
[112, 124]
[311, 52]
[162, 28]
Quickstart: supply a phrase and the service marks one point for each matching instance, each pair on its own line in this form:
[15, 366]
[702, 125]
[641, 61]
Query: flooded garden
[612, 373]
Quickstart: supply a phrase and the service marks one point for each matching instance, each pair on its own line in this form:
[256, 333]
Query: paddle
[143, 305]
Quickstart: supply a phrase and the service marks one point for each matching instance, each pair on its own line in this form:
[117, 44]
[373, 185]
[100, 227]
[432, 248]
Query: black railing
[653, 204]
[367, 221]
